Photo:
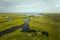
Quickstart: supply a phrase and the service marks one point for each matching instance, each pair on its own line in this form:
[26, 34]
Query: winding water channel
[25, 28]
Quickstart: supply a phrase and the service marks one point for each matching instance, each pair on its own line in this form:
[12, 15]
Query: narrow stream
[25, 28]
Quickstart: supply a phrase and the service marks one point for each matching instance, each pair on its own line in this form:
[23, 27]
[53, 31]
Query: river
[25, 28]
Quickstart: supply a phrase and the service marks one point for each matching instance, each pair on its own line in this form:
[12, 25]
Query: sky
[42, 6]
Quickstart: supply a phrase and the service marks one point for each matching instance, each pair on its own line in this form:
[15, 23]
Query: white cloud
[34, 4]
[24, 5]
[29, 5]
[57, 6]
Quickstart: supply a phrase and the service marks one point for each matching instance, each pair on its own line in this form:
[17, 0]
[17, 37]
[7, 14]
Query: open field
[43, 27]
[48, 25]
[10, 20]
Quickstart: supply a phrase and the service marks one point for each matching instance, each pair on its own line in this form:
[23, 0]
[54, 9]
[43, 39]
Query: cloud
[29, 5]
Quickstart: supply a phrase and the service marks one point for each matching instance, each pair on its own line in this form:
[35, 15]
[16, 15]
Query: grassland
[18, 35]
[47, 23]
[8, 21]
[47, 27]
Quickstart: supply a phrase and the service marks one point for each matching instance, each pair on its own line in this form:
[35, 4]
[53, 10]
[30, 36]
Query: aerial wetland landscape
[33, 27]
[29, 19]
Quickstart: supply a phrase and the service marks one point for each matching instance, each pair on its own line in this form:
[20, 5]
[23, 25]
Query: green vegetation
[18, 35]
[47, 27]
[47, 23]
[8, 21]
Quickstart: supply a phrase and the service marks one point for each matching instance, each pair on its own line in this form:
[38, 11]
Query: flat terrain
[10, 20]
[43, 27]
